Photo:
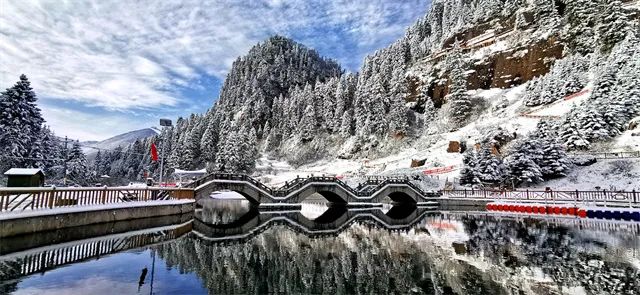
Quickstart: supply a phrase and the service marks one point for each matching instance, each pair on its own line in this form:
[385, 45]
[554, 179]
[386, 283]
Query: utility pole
[164, 123]
[66, 158]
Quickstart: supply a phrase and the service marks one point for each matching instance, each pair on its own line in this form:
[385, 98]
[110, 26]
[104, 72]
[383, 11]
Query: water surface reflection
[237, 249]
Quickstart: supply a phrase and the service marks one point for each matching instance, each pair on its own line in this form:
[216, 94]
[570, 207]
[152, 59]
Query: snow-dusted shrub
[584, 160]
[620, 167]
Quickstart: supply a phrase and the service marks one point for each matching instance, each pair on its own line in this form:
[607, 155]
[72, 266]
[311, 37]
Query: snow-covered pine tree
[308, 125]
[398, 116]
[545, 130]
[490, 167]
[570, 133]
[250, 151]
[532, 92]
[592, 124]
[458, 97]
[628, 90]
[376, 122]
[575, 72]
[469, 173]
[554, 161]
[522, 163]
[581, 21]
[613, 24]
[208, 143]
[545, 13]
[20, 126]
[77, 169]
[346, 125]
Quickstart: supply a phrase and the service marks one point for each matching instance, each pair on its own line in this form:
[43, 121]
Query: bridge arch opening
[224, 208]
[401, 211]
[231, 195]
[401, 198]
[324, 197]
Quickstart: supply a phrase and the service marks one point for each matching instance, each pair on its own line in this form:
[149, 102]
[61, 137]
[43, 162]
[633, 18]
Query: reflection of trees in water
[361, 260]
[565, 255]
[217, 211]
[9, 274]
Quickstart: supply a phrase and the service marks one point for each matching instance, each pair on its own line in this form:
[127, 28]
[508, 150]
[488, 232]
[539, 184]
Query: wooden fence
[631, 198]
[21, 199]
[610, 155]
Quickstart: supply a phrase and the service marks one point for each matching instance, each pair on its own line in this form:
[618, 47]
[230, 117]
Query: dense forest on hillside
[286, 101]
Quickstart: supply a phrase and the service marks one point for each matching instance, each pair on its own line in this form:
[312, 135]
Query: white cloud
[133, 55]
[90, 126]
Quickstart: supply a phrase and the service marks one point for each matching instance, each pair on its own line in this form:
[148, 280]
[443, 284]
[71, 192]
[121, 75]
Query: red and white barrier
[439, 170]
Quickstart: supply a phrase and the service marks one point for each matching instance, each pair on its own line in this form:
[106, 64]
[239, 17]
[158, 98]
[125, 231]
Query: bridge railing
[601, 196]
[297, 183]
[230, 176]
[34, 198]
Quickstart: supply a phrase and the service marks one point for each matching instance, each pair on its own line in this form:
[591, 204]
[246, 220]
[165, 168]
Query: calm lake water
[231, 248]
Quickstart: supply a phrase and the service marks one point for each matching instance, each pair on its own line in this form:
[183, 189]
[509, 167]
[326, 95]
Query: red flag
[154, 152]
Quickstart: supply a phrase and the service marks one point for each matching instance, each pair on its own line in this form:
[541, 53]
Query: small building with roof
[24, 177]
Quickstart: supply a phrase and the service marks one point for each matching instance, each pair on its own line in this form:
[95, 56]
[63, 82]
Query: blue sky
[101, 68]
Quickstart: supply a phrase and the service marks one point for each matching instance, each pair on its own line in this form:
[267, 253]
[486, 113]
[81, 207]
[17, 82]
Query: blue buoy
[617, 215]
[626, 215]
[635, 216]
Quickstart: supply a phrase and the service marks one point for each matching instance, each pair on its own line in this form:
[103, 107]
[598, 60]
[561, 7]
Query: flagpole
[161, 161]
[164, 123]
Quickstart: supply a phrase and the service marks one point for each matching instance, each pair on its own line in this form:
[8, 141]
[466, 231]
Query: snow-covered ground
[605, 174]
[88, 208]
[505, 111]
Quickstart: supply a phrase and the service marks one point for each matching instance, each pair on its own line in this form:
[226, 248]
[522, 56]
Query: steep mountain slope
[285, 101]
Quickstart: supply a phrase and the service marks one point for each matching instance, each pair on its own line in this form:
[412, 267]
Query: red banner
[154, 152]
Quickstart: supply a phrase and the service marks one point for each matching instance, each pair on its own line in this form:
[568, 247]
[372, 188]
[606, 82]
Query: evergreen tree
[554, 161]
[346, 129]
[308, 124]
[490, 168]
[20, 126]
[571, 135]
[522, 163]
[469, 173]
[458, 98]
[77, 169]
[613, 24]
[581, 20]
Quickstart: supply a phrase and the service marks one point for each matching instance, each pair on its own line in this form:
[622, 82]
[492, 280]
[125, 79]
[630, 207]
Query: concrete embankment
[13, 224]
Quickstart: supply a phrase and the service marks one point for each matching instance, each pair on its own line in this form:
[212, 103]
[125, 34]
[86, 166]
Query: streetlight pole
[164, 123]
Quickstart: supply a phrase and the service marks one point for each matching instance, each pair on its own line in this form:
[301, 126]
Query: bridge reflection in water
[238, 248]
[334, 220]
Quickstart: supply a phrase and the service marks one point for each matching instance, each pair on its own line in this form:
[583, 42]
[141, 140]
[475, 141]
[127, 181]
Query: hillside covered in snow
[517, 86]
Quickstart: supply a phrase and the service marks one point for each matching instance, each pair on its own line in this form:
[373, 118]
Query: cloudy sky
[105, 67]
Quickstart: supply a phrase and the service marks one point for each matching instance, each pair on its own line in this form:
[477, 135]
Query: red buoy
[535, 210]
[572, 211]
[542, 210]
[582, 213]
[527, 209]
[564, 210]
[556, 210]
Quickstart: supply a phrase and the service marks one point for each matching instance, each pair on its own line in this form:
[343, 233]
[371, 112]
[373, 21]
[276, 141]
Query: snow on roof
[23, 171]
[186, 172]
